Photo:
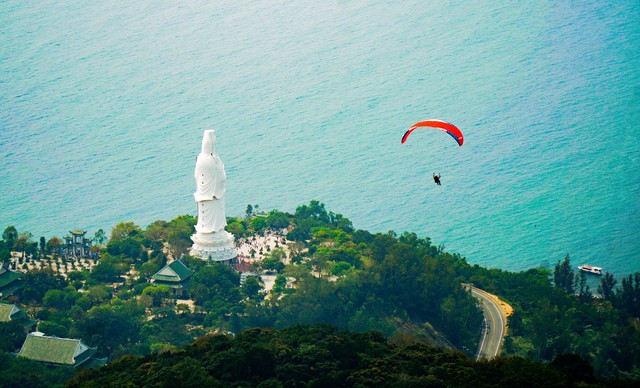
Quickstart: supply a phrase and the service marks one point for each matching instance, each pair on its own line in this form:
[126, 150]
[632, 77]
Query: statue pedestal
[214, 246]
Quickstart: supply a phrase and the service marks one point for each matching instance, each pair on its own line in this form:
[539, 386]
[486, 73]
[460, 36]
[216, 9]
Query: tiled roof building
[9, 281]
[175, 275]
[55, 351]
[9, 312]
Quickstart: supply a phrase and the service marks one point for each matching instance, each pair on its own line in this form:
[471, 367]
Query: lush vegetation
[328, 273]
[344, 277]
[556, 313]
[359, 281]
[321, 356]
[20, 372]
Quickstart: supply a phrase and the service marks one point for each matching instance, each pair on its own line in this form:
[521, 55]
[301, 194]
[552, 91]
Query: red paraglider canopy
[438, 124]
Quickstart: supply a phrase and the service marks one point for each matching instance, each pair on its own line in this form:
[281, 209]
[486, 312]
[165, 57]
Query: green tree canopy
[157, 293]
[12, 336]
[216, 281]
[326, 357]
[110, 268]
[112, 326]
[54, 244]
[38, 283]
[252, 287]
[563, 275]
[100, 237]
[277, 220]
[258, 224]
[10, 235]
[123, 230]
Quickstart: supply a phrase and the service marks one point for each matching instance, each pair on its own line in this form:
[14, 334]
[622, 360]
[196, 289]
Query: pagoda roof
[7, 311]
[177, 272]
[7, 276]
[64, 351]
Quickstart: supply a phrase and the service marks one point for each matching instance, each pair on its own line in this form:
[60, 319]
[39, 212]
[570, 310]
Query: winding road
[494, 327]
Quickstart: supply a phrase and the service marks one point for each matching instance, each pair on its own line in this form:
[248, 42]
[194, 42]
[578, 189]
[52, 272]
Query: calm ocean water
[102, 107]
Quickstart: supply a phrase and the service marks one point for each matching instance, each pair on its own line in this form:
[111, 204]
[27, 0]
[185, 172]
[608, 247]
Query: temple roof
[54, 350]
[7, 276]
[7, 311]
[174, 272]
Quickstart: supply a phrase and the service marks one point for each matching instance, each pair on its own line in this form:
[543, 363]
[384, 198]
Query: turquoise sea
[103, 104]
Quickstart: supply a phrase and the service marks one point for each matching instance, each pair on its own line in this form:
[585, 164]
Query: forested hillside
[322, 356]
[399, 285]
[556, 312]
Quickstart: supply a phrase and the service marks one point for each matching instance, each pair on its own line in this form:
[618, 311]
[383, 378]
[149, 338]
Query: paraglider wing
[438, 124]
[406, 134]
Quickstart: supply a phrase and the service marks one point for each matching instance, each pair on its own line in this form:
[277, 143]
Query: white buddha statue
[211, 241]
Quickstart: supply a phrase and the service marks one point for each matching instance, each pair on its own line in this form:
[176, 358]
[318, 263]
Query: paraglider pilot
[436, 178]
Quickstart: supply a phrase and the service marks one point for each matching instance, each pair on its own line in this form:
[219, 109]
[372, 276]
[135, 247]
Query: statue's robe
[211, 185]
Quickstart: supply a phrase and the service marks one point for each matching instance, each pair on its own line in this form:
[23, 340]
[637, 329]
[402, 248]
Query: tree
[157, 293]
[236, 227]
[11, 335]
[180, 230]
[575, 368]
[340, 268]
[216, 281]
[112, 326]
[110, 268]
[123, 230]
[277, 220]
[43, 244]
[98, 294]
[274, 260]
[149, 268]
[179, 242]
[53, 328]
[251, 287]
[584, 294]
[5, 253]
[258, 224]
[100, 237]
[563, 275]
[10, 235]
[315, 210]
[279, 284]
[249, 211]
[272, 264]
[341, 222]
[130, 247]
[38, 283]
[628, 294]
[157, 230]
[61, 299]
[23, 241]
[607, 283]
[53, 245]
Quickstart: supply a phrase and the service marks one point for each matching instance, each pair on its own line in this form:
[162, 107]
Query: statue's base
[217, 246]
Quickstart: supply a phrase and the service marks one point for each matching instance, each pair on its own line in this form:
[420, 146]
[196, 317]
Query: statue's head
[208, 141]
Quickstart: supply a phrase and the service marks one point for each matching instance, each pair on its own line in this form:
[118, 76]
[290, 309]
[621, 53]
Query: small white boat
[590, 269]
